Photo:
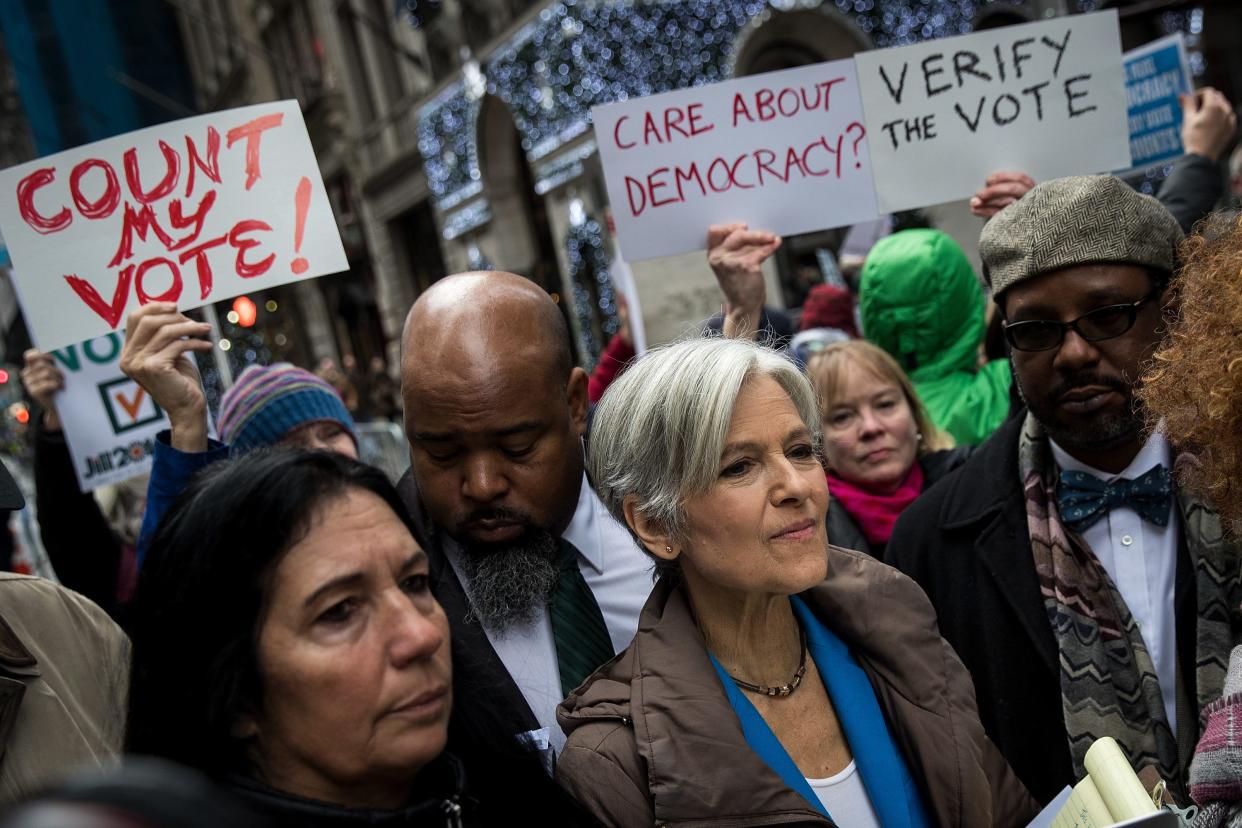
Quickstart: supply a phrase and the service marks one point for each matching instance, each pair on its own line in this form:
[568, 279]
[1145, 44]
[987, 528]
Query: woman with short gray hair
[773, 677]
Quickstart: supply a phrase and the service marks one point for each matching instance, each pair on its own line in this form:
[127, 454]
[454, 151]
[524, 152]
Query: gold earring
[668, 549]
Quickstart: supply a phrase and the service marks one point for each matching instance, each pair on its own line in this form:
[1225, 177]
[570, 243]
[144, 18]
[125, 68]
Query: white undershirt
[1141, 558]
[619, 575]
[845, 798]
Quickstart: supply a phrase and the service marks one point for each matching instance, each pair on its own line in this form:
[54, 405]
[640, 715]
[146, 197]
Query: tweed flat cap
[1083, 219]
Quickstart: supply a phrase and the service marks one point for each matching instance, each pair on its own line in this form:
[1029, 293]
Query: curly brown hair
[1195, 381]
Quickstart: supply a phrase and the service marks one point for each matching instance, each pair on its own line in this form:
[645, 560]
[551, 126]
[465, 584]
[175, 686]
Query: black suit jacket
[967, 544]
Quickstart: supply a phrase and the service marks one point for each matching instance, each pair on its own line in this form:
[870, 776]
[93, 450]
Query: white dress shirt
[620, 577]
[1141, 558]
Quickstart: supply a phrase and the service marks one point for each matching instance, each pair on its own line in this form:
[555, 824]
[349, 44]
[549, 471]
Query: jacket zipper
[452, 813]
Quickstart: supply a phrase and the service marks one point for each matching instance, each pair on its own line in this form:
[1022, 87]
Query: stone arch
[519, 223]
[786, 39]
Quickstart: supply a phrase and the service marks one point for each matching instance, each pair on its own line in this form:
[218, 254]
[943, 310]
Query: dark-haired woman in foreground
[286, 642]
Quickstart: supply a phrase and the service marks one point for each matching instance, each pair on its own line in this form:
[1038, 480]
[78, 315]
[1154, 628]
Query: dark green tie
[578, 628]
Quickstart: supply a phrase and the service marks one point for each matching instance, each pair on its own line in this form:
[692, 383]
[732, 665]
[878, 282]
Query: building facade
[455, 134]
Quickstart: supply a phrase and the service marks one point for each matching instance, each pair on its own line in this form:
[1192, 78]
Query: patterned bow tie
[1083, 498]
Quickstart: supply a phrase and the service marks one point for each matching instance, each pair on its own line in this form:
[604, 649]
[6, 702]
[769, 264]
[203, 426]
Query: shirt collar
[584, 529]
[1154, 452]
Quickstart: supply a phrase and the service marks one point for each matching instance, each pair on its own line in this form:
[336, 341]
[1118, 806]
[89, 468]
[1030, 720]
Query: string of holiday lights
[589, 260]
[581, 53]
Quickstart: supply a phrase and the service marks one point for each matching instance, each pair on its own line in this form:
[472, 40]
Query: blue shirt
[171, 472]
[880, 764]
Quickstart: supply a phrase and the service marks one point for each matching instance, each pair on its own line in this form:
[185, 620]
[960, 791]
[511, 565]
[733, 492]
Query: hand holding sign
[42, 379]
[736, 255]
[1208, 123]
[999, 191]
[156, 341]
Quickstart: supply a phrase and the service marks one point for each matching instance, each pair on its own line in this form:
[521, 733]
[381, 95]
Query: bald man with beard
[540, 584]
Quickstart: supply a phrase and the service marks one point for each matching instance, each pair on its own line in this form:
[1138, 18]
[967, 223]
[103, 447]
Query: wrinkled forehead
[1076, 289]
[451, 390]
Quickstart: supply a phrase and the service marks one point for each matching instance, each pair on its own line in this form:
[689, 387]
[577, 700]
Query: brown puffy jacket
[652, 739]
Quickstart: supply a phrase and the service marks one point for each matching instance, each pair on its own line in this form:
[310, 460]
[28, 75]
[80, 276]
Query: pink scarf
[875, 513]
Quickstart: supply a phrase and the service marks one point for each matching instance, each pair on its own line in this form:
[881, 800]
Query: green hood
[920, 301]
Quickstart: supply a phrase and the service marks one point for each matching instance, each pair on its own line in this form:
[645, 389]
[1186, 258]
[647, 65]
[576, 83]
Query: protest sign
[109, 421]
[192, 211]
[1155, 75]
[1043, 98]
[784, 151]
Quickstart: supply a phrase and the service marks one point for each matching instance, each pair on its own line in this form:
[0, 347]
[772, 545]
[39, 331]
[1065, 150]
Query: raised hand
[736, 255]
[156, 340]
[42, 379]
[1208, 123]
[999, 191]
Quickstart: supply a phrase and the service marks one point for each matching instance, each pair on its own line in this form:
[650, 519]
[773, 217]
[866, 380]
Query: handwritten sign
[192, 211]
[1155, 75]
[110, 422]
[1045, 98]
[786, 151]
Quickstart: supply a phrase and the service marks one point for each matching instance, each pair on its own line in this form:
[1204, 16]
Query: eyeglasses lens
[1106, 323]
[1034, 336]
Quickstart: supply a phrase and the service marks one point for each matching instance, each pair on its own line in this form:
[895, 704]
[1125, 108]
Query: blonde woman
[881, 449]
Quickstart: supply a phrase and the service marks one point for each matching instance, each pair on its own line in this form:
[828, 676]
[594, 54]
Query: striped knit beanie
[267, 402]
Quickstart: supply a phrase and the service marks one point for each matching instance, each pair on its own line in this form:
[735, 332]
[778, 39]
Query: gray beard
[509, 584]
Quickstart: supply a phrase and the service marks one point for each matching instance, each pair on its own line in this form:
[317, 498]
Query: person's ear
[579, 401]
[650, 533]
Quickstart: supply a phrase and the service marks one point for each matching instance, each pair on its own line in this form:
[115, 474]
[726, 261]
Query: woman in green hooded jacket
[920, 301]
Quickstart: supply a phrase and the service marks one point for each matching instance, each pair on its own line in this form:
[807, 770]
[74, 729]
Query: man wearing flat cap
[1086, 593]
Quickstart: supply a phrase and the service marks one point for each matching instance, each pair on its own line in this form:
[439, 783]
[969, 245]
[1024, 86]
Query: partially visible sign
[192, 212]
[1155, 75]
[1046, 98]
[110, 421]
[783, 151]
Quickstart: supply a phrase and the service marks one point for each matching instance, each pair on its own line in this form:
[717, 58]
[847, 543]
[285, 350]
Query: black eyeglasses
[1102, 323]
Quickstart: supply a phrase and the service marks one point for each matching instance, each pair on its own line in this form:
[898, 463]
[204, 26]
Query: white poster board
[1155, 75]
[783, 151]
[1046, 98]
[110, 421]
[192, 211]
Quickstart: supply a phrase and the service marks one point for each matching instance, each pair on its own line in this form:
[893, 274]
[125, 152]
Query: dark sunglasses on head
[1102, 323]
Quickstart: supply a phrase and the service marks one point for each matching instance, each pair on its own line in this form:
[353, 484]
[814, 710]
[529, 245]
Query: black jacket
[439, 802]
[84, 551]
[967, 544]
[844, 531]
[1192, 189]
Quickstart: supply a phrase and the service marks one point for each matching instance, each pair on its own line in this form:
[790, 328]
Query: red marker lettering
[174, 289]
[138, 222]
[245, 269]
[172, 163]
[210, 168]
[103, 206]
[110, 312]
[253, 131]
[616, 133]
[26, 189]
[199, 254]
